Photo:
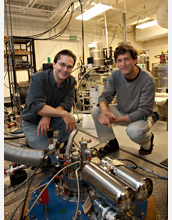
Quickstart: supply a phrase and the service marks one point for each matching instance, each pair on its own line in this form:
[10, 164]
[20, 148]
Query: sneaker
[142, 151]
[110, 147]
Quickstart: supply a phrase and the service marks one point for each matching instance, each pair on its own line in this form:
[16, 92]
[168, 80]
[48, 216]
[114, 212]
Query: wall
[45, 49]
[155, 47]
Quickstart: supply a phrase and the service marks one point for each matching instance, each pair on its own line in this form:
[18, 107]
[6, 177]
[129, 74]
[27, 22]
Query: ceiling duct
[162, 14]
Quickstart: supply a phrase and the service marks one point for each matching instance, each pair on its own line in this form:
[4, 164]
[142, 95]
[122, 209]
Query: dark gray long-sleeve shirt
[134, 98]
[43, 91]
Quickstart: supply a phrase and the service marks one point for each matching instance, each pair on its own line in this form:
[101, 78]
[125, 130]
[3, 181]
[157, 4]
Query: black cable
[25, 181]
[135, 165]
[155, 174]
[138, 167]
[82, 32]
[23, 200]
[40, 34]
[61, 32]
[47, 186]
[21, 217]
[6, 86]
[77, 145]
[113, 36]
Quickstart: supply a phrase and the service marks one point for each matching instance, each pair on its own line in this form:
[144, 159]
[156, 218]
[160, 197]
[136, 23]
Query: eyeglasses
[69, 67]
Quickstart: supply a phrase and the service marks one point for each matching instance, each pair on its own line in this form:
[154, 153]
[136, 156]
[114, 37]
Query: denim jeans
[138, 131]
[39, 141]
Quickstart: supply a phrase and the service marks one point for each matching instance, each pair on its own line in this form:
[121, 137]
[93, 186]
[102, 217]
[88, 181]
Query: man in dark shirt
[49, 102]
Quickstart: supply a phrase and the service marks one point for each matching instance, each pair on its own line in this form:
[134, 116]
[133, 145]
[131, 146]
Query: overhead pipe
[124, 23]
[106, 31]
[61, 8]
[31, 3]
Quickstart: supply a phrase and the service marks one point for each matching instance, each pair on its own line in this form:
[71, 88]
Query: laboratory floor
[154, 166]
[159, 155]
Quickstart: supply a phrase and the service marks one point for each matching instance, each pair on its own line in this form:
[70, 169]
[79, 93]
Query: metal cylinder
[120, 196]
[21, 155]
[142, 186]
[160, 73]
[75, 157]
[96, 51]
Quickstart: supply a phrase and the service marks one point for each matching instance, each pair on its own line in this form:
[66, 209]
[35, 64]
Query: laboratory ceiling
[39, 15]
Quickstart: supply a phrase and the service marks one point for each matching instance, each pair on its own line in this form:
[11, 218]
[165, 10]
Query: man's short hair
[124, 48]
[66, 53]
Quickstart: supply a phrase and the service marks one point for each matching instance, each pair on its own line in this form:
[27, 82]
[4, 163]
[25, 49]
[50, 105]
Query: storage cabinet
[21, 64]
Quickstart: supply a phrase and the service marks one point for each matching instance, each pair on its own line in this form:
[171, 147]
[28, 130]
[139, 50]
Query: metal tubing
[70, 142]
[27, 156]
[105, 212]
[124, 23]
[107, 44]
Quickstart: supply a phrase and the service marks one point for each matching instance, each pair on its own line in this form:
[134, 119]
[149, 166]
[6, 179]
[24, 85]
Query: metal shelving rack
[20, 55]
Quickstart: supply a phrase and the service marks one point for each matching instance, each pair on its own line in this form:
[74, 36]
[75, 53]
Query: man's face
[126, 64]
[63, 67]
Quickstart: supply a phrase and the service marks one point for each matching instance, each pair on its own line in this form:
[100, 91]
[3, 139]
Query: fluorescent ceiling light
[146, 25]
[94, 11]
[143, 20]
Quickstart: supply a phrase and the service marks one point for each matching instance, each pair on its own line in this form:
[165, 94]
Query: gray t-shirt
[135, 98]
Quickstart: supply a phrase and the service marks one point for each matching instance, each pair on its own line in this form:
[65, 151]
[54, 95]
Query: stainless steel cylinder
[96, 51]
[75, 157]
[118, 194]
[142, 186]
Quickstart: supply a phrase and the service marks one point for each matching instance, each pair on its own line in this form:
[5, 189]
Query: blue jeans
[39, 141]
[138, 131]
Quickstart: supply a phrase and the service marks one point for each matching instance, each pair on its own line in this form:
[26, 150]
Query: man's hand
[43, 125]
[106, 118]
[70, 122]
[58, 112]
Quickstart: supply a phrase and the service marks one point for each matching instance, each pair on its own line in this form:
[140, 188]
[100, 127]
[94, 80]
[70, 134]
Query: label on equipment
[87, 205]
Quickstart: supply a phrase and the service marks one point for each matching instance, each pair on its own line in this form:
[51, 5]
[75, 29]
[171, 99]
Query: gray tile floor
[160, 131]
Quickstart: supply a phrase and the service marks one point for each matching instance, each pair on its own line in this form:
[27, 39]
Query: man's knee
[36, 141]
[135, 134]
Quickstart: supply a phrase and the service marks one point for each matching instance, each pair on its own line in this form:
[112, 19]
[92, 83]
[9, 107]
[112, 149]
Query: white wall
[45, 49]
[155, 47]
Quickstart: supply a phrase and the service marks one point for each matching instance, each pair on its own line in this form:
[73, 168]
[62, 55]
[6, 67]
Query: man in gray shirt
[134, 89]
[49, 102]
